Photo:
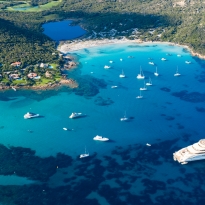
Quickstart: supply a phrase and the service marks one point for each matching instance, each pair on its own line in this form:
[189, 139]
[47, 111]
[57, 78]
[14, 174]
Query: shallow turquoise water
[156, 118]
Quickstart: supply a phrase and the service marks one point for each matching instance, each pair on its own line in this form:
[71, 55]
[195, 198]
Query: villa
[17, 64]
[32, 75]
[14, 76]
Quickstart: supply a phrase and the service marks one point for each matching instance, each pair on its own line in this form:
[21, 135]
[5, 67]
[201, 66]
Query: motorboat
[100, 138]
[191, 153]
[163, 59]
[140, 75]
[76, 115]
[65, 128]
[121, 59]
[114, 86]
[29, 115]
[149, 145]
[111, 61]
[151, 63]
[107, 66]
[188, 62]
[85, 154]
[178, 55]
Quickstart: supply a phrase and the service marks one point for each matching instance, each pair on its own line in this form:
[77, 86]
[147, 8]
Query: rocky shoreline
[63, 82]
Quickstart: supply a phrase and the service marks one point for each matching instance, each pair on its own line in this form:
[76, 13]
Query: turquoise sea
[170, 116]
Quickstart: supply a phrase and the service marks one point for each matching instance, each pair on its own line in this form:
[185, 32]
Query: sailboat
[150, 82]
[144, 88]
[156, 73]
[177, 73]
[139, 96]
[124, 118]
[140, 75]
[85, 154]
[122, 75]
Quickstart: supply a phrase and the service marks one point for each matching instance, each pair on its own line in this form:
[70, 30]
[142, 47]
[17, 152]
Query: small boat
[114, 86]
[29, 115]
[121, 59]
[111, 61]
[122, 75]
[139, 96]
[107, 66]
[163, 59]
[124, 118]
[150, 82]
[65, 128]
[13, 88]
[144, 88]
[85, 154]
[177, 73]
[140, 75]
[184, 163]
[188, 62]
[151, 63]
[148, 144]
[156, 73]
[100, 138]
[178, 55]
[76, 115]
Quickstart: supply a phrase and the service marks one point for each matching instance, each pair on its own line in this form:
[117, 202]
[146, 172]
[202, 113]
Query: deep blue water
[124, 170]
[62, 30]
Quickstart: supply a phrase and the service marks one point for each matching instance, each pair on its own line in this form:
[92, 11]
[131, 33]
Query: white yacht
[163, 59]
[107, 66]
[76, 115]
[150, 82]
[177, 73]
[100, 138]
[65, 128]
[191, 153]
[121, 59]
[124, 118]
[85, 154]
[188, 62]
[151, 63]
[178, 55]
[29, 115]
[139, 96]
[140, 75]
[144, 88]
[156, 73]
[149, 145]
[111, 61]
[122, 75]
[114, 86]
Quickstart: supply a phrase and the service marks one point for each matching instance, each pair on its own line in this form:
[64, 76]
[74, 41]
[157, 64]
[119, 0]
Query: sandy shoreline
[83, 44]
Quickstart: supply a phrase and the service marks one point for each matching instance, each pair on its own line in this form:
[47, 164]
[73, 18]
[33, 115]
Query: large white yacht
[76, 115]
[191, 153]
[29, 115]
[100, 138]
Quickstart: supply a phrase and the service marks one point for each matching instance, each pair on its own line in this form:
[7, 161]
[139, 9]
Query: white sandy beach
[82, 44]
